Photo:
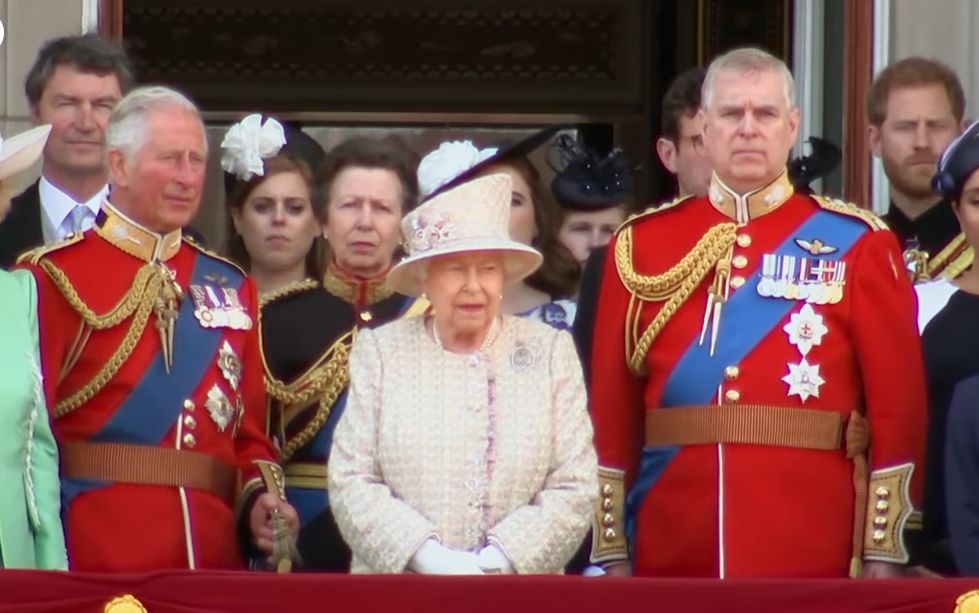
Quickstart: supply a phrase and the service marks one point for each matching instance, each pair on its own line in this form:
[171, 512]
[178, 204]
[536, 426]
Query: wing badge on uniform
[815, 246]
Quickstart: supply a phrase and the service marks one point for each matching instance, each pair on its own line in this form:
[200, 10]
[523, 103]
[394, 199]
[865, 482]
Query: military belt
[144, 465]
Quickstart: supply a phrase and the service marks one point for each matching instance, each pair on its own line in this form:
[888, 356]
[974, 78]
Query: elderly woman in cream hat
[30, 517]
[466, 447]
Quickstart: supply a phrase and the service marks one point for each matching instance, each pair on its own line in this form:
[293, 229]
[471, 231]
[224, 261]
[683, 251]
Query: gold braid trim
[851, 210]
[675, 286]
[138, 303]
[287, 290]
[325, 381]
[960, 264]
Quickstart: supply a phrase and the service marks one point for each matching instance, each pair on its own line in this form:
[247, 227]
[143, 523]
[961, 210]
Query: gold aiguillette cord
[717, 295]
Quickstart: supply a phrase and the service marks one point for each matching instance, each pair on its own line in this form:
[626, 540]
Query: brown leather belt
[143, 465]
[756, 425]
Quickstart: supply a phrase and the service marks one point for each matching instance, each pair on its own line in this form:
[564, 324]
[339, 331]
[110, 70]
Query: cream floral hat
[473, 216]
[17, 156]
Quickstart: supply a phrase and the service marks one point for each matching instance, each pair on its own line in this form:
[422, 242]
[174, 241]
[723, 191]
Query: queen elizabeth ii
[466, 446]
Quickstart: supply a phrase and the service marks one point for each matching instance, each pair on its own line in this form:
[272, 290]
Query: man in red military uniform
[758, 390]
[152, 366]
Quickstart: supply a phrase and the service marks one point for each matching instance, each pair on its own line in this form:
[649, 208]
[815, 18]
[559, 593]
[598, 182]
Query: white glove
[593, 571]
[493, 561]
[433, 558]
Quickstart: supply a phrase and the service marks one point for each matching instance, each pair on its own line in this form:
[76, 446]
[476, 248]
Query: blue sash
[309, 503]
[155, 404]
[747, 319]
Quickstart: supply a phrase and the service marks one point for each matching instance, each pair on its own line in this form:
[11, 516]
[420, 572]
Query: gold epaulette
[34, 255]
[211, 254]
[653, 210]
[851, 210]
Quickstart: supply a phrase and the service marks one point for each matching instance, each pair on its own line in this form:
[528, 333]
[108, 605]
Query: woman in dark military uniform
[363, 188]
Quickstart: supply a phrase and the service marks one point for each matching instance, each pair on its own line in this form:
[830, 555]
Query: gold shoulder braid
[325, 381]
[138, 303]
[212, 254]
[851, 210]
[34, 255]
[649, 211]
[287, 290]
[674, 286]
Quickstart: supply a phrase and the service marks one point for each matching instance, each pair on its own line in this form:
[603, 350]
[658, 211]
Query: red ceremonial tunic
[99, 392]
[757, 510]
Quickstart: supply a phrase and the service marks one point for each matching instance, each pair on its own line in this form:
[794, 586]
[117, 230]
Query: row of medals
[780, 279]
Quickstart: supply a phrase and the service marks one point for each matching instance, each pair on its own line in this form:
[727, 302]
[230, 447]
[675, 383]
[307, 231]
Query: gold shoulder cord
[138, 303]
[325, 380]
[674, 286]
[851, 210]
[288, 289]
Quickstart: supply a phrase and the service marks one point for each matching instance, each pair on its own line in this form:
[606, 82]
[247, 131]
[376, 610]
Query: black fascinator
[585, 181]
[824, 159]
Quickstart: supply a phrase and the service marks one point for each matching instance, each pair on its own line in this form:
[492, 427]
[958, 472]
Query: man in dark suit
[74, 85]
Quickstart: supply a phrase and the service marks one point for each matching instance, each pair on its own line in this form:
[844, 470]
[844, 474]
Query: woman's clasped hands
[434, 558]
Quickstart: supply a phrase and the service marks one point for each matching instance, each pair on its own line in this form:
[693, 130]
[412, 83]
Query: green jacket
[31, 534]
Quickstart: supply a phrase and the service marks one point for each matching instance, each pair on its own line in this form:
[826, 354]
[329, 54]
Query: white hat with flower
[471, 217]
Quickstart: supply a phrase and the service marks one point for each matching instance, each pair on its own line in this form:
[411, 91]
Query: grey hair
[127, 127]
[744, 61]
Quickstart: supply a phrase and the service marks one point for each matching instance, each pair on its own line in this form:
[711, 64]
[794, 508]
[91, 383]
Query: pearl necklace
[494, 331]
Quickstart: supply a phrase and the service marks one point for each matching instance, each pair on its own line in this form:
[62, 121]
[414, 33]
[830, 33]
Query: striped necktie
[78, 218]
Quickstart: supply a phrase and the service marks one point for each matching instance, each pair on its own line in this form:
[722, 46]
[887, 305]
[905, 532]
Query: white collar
[58, 205]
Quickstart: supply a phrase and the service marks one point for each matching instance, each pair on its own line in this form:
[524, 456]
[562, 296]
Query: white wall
[944, 30]
[27, 24]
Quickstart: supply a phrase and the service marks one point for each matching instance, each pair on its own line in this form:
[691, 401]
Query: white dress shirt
[57, 207]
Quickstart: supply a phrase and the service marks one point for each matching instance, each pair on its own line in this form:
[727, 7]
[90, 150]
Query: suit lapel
[21, 230]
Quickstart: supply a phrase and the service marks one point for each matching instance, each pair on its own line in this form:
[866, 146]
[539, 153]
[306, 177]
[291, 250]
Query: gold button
[737, 282]
[731, 373]
[883, 493]
[879, 536]
[744, 240]
[882, 506]
[608, 520]
[189, 421]
[607, 490]
[189, 440]
[880, 523]
[607, 505]
[609, 534]
[739, 261]
[189, 405]
[366, 316]
[732, 395]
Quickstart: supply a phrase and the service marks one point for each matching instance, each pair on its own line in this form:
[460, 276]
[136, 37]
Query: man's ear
[119, 167]
[666, 151]
[873, 139]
